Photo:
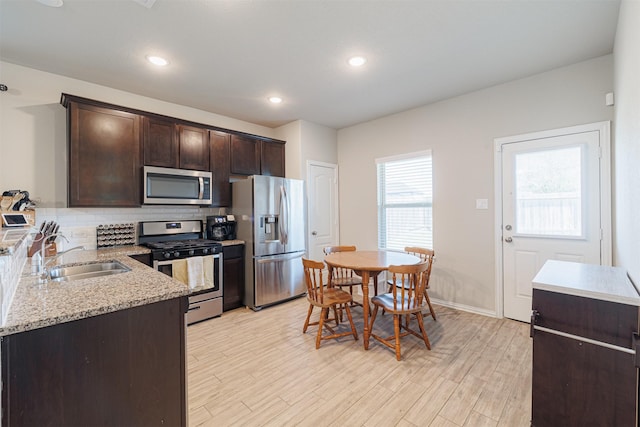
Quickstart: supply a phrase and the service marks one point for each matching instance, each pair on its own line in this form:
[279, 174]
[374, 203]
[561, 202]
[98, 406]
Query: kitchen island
[99, 351]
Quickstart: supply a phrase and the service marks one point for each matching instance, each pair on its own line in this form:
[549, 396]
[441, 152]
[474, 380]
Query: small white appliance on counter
[172, 243]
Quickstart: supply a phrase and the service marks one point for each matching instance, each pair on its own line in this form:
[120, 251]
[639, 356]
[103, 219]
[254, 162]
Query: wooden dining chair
[426, 255]
[344, 277]
[319, 295]
[403, 301]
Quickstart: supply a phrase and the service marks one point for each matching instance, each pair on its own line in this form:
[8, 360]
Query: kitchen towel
[207, 266]
[179, 270]
[195, 272]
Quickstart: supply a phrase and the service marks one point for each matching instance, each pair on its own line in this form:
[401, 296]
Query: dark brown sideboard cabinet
[584, 326]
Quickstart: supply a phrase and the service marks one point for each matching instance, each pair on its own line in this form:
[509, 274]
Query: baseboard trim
[464, 307]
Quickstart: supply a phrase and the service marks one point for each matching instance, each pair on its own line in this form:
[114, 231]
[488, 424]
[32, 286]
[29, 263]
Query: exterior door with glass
[552, 207]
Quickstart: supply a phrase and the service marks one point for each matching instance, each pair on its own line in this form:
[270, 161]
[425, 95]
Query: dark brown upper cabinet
[104, 156]
[245, 155]
[109, 144]
[171, 145]
[272, 158]
[194, 148]
[220, 144]
[254, 156]
[160, 143]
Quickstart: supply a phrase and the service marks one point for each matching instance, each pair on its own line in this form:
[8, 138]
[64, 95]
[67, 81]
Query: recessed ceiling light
[275, 99]
[357, 61]
[156, 60]
[51, 3]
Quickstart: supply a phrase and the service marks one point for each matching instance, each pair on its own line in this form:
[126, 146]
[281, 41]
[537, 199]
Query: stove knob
[166, 254]
[205, 250]
[176, 254]
[191, 252]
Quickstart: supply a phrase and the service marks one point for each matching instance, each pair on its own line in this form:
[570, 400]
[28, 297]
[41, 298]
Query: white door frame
[604, 129]
[333, 166]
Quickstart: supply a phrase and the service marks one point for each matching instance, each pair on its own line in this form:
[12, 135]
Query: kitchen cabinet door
[194, 148]
[245, 155]
[125, 368]
[233, 277]
[220, 145]
[104, 156]
[272, 158]
[160, 141]
[576, 382]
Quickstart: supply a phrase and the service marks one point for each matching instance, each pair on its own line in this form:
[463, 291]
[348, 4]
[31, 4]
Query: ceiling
[228, 56]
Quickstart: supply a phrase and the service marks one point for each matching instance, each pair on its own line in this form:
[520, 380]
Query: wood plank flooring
[258, 369]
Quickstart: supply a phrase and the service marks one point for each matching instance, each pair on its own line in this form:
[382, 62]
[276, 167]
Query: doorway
[322, 207]
[553, 201]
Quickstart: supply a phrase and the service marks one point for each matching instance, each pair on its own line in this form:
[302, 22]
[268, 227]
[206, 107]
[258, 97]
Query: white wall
[627, 140]
[33, 127]
[307, 141]
[460, 132]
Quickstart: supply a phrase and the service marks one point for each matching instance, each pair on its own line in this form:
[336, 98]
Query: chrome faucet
[41, 260]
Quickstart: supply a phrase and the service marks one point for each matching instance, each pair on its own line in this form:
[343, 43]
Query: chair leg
[306, 322]
[373, 317]
[335, 314]
[323, 314]
[431, 312]
[353, 328]
[424, 333]
[396, 331]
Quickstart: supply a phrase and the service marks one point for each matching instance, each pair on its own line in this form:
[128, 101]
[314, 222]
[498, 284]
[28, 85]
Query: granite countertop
[232, 242]
[39, 305]
[587, 280]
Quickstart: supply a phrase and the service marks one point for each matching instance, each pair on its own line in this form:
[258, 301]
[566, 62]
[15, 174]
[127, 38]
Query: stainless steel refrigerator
[270, 214]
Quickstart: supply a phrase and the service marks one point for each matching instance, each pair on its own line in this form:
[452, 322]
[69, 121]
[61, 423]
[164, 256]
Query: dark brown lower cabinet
[583, 371]
[125, 368]
[233, 277]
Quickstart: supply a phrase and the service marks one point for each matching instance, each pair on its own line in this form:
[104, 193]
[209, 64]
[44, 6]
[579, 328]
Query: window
[549, 192]
[405, 201]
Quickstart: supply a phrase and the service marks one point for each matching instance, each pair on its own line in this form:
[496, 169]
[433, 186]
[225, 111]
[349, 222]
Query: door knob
[508, 239]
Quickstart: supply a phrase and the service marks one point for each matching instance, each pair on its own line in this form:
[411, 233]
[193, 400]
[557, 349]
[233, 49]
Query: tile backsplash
[79, 224]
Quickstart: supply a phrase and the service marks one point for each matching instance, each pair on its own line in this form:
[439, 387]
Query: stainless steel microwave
[167, 186]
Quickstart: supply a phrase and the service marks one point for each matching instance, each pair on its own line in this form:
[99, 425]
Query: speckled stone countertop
[39, 305]
[232, 242]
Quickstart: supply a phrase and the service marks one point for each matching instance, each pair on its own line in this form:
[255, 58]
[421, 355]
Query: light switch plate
[482, 203]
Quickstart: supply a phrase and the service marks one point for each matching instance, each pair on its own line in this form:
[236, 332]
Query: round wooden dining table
[367, 264]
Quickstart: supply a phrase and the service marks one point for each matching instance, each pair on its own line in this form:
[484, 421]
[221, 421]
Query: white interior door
[552, 205]
[322, 208]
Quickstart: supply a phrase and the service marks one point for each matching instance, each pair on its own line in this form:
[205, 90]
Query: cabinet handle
[587, 340]
[534, 318]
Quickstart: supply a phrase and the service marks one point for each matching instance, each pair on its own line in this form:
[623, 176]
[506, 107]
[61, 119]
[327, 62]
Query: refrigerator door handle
[635, 342]
[284, 216]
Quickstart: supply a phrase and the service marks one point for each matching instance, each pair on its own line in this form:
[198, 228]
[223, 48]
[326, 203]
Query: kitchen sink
[87, 271]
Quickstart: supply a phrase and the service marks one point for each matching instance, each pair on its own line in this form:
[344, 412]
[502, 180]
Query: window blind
[405, 198]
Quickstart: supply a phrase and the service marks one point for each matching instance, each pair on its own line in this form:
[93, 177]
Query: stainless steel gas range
[172, 243]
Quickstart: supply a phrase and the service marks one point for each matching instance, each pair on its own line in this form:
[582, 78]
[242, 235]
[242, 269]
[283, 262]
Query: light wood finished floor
[257, 368]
